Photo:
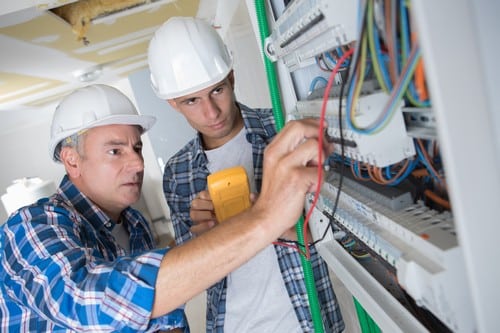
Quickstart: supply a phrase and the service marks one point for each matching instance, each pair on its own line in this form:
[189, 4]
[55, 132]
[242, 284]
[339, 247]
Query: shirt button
[108, 224]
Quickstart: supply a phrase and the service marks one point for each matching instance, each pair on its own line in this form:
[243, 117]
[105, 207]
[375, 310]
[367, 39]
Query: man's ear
[70, 158]
[173, 103]
[231, 78]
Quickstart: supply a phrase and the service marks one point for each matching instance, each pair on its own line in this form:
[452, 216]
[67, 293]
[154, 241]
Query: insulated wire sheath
[366, 323]
[272, 80]
[312, 294]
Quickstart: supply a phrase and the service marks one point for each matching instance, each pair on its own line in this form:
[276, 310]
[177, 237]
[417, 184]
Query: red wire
[291, 246]
[320, 143]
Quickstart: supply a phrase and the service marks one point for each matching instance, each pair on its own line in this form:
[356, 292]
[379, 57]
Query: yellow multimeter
[229, 191]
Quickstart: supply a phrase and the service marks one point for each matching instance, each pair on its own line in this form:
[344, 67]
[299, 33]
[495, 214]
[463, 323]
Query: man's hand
[202, 213]
[290, 171]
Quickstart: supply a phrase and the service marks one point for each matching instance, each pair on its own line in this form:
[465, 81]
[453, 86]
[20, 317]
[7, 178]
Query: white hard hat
[92, 106]
[186, 55]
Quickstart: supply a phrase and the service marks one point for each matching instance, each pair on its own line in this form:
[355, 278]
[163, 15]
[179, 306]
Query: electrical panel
[417, 244]
[308, 28]
[382, 219]
[381, 149]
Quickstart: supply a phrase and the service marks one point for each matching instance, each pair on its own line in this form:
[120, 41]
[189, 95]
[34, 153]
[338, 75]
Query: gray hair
[72, 141]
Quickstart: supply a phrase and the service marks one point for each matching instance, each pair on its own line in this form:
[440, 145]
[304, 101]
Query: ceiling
[41, 58]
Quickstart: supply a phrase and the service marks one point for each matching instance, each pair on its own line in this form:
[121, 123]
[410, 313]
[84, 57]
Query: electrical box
[387, 220]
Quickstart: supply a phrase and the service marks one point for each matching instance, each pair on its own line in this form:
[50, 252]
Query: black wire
[342, 141]
[289, 241]
[330, 224]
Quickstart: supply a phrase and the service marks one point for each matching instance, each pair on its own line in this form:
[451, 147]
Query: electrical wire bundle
[388, 49]
[389, 46]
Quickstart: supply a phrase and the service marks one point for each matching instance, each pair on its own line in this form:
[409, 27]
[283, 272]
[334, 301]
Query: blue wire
[356, 170]
[406, 32]
[396, 44]
[404, 28]
[383, 67]
[315, 81]
[339, 52]
[368, 68]
[329, 56]
[358, 173]
[407, 172]
[388, 173]
[426, 163]
[348, 103]
[391, 108]
[389, 111]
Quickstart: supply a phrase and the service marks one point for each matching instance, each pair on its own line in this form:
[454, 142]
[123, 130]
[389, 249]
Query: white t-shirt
[122, 236]
[257, 300]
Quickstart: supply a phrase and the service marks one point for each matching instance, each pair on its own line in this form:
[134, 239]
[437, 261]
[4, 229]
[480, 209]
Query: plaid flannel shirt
[62, 271]
[185, 175]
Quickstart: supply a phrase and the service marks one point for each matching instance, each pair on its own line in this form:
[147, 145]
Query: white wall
[24, 138]
[251, 86]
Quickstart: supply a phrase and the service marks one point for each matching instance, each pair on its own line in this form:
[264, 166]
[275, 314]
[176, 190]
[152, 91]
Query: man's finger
[199, 216]
[204, 195]
[304, 154]
[202, 227]
[293, 134]
[201, 204]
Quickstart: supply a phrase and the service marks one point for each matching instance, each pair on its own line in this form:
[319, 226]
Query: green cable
[366, 322]
[272, 80]
[278, 116]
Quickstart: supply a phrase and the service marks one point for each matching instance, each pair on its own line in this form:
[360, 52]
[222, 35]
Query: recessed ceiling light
[88, 74]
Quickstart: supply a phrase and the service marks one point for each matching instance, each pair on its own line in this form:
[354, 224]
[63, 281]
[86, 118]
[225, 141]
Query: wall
[24, 148]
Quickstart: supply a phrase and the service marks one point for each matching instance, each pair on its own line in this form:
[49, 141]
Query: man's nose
[136, 162]
[211, 109]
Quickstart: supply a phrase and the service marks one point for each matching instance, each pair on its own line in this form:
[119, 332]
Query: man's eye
[218, 91]
[113, 151]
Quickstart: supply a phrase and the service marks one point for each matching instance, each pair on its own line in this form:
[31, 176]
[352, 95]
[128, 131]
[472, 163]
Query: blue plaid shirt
[186, 175]
[62, 271]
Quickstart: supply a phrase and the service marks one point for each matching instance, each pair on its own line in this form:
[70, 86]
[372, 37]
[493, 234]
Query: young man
[192, 69]
[84, 260]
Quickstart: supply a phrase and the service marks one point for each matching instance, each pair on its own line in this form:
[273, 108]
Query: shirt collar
[199, 156]
[253, 124]
[90, 211]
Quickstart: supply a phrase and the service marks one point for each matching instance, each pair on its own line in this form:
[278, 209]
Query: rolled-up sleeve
[48, 271]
